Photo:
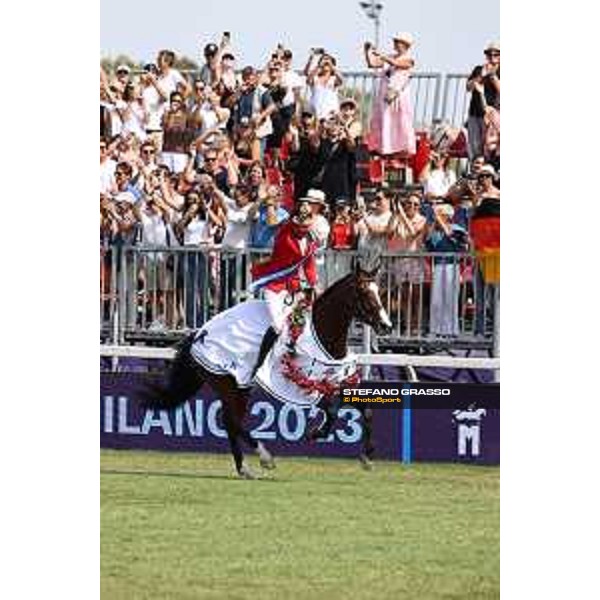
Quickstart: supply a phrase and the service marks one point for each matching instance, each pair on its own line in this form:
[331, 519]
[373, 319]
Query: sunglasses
[148, 152]
[492, 53]
[210, 159]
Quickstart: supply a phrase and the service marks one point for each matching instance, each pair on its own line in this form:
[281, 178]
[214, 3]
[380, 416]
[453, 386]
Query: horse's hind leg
[234, 409]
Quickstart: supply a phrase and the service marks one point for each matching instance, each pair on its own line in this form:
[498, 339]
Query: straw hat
[406, 38]
[314, 197]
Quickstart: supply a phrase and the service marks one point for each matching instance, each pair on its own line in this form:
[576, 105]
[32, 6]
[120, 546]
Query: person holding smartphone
[391, 129]
[324, 79]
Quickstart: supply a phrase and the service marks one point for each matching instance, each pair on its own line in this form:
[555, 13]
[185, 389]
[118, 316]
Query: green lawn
[181, 526]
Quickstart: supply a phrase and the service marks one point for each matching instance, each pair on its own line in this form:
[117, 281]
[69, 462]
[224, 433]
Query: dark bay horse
[354, 297]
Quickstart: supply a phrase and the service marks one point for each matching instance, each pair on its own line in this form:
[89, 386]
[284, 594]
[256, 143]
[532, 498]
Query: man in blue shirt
[267, 215]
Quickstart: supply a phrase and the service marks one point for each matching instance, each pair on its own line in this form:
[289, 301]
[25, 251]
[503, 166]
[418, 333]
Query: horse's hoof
[266, 458]
[365, 462]
[245, 472]
[268, 463]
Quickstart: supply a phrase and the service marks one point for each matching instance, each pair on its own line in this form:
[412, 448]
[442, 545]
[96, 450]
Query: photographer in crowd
[323, 79]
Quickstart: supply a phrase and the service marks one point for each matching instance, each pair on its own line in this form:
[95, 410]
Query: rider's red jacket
[288, 251]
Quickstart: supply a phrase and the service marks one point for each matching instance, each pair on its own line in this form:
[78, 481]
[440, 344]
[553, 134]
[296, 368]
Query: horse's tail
[184, 378]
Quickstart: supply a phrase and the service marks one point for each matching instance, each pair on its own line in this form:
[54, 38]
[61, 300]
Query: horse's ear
[368, 257]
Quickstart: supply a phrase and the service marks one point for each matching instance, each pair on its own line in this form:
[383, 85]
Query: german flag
[485, 235]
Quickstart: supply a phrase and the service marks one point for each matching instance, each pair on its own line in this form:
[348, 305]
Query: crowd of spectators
[219, 160]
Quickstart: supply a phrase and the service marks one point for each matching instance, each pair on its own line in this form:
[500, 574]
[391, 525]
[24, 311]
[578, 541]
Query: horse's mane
[333, 290]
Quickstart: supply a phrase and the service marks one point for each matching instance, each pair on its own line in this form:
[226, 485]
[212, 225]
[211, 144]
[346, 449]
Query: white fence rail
[397, 360]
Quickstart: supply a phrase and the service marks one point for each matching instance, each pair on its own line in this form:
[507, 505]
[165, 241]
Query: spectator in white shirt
[235, 241]
[293, 84]
[440, 178]
[208, 114]
[374, 227]
[107, 169]
[133, 113]
[169, 79]
[158, 279]
[155, 100]
[237, 230]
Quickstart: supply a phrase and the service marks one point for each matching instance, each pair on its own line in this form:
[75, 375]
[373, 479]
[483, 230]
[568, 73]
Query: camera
[318, 50]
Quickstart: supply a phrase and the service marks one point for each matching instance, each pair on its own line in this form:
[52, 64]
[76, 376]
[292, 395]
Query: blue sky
[449, 34]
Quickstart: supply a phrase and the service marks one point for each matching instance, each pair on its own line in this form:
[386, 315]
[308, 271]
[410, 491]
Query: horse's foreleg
[330, 407]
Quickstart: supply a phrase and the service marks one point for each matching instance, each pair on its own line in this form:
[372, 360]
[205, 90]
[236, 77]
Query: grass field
[181, 526]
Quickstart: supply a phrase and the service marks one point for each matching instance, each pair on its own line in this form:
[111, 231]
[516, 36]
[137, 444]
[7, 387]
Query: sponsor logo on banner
[468, 437]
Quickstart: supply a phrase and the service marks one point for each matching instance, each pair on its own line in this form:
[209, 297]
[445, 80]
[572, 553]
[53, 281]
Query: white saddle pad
[229, 343]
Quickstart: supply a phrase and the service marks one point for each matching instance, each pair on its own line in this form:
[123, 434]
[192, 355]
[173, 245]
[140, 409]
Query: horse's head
[369, 309]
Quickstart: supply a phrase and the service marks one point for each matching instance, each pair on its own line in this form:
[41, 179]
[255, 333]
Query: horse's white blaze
[383, 316]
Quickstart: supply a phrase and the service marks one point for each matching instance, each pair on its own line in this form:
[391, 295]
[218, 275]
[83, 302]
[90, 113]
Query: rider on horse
[291, 267]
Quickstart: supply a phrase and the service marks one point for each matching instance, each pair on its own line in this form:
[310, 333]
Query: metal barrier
[430, 102]
[455, 99]
[149, 294]
[425, 91]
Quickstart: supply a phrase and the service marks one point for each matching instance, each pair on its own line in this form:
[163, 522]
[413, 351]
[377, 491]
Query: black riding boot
[267, 343]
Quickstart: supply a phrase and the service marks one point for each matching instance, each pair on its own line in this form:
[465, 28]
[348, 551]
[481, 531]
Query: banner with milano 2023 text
[467, 428]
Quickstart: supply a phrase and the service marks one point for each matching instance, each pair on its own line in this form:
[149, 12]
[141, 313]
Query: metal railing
[455, 99]
[435, 97]
[425, 91]
[156, 294]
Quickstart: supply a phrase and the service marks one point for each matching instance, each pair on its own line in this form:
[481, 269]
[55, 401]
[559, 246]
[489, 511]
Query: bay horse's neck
[332, 314]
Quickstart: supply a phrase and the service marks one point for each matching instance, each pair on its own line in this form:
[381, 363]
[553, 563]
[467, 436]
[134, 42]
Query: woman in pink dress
[391, 129]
